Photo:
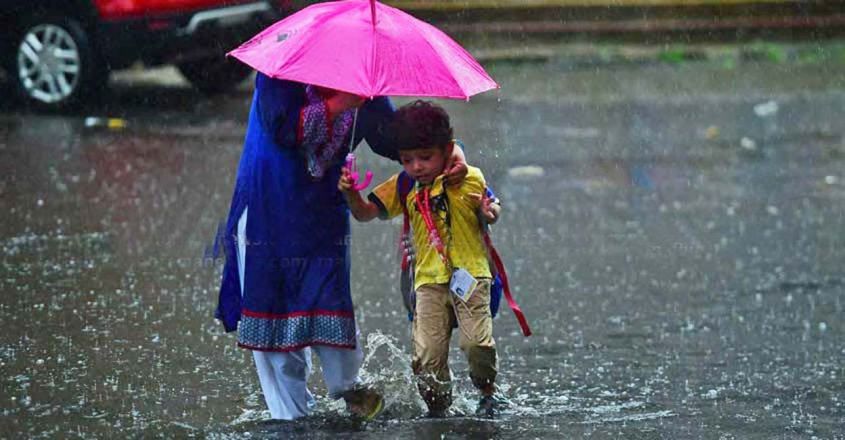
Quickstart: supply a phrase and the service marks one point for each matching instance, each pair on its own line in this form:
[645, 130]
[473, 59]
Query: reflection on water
[681, 283]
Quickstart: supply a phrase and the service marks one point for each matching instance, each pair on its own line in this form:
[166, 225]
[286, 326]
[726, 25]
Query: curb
[625, 17]
[688, 25]
[604, 54]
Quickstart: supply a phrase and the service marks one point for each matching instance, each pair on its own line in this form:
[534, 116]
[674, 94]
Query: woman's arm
[456, 167]
[274, 101]
[373, 118]
[362, 210]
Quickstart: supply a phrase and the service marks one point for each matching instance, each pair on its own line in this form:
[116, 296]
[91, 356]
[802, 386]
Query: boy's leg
[432, 330]
[283, 378]
[476, 337]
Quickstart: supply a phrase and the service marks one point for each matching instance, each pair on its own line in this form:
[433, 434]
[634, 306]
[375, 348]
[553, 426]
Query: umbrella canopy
[366, 48]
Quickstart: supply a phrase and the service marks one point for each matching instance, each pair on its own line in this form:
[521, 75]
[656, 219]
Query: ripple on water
[386, 367]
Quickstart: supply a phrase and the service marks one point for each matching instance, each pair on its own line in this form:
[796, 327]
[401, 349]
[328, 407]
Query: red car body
[56, 53]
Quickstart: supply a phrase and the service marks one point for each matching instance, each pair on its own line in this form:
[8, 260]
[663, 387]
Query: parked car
[57, 53]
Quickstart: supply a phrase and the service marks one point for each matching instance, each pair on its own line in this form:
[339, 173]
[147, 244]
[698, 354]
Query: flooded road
[674, 233]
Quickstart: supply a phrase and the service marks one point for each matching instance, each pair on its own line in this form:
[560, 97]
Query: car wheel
[214, 75]
[54, 65]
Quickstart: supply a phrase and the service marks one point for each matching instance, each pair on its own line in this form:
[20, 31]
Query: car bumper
[182, 37]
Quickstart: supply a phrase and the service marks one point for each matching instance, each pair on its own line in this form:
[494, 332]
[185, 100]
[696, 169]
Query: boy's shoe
[436, 413]
[490, 406]
[437, 402]
[364, 402]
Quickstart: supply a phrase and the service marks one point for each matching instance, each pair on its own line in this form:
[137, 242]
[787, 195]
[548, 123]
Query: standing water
[674, 238]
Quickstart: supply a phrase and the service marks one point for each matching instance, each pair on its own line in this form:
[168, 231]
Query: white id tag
[462, 284]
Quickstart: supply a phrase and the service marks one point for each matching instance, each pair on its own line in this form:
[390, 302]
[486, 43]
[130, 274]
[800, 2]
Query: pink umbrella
[367, 48]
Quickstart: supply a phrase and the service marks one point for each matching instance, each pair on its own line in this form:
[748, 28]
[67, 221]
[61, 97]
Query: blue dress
[296, 283]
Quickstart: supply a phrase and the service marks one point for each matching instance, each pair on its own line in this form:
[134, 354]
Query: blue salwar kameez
[296, 266]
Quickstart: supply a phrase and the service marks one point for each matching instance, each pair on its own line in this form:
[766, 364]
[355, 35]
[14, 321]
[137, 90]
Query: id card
[462, 284]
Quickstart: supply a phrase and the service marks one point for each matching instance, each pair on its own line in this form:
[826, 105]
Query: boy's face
[425, 164]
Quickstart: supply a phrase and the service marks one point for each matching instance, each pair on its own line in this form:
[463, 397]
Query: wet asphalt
[673, 230]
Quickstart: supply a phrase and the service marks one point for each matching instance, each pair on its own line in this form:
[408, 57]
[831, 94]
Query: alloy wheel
[48, 63]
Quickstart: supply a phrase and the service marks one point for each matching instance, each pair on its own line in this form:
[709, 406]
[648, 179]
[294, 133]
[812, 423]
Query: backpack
[404, 184]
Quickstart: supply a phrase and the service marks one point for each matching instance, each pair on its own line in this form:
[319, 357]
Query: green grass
[769, 51]
[673, 55]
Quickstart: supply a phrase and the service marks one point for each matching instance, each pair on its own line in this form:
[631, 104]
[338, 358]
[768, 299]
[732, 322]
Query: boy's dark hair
[420, 124]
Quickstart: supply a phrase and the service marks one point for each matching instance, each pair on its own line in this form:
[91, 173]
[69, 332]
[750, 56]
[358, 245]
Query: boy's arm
[494, 206]
[361, 209]
[491, 209]
[488, 205]
[485, 201]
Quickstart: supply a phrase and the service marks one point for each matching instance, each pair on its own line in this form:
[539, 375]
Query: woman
[285, 284]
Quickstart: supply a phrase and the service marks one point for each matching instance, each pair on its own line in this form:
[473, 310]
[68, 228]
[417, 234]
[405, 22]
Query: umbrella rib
[424, 31]
[451, 73]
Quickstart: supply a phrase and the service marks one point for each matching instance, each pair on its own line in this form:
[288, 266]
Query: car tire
[54, 66]
[214, 75]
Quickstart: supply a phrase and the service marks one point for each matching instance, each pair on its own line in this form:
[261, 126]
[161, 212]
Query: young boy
[451, 257]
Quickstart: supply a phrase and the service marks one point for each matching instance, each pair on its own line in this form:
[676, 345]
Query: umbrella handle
[352, 166]
[368, 177]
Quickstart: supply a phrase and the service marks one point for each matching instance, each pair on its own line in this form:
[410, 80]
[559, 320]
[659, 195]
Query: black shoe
[489, 406]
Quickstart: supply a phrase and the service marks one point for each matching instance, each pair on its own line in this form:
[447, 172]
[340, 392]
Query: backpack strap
[501, 274]
[404, 183]
[500, 268]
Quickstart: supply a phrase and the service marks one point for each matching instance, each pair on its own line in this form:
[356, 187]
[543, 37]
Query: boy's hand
[487, 207]
[345, 182]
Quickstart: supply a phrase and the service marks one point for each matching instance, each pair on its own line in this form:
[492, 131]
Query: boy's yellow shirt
[462, 238]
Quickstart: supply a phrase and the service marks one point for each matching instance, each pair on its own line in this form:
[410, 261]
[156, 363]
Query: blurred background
[671, 175]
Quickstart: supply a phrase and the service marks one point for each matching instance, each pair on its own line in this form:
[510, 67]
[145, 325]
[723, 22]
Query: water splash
[387, 367]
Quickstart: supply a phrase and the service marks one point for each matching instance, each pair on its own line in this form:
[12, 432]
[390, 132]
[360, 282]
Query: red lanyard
[423, 198]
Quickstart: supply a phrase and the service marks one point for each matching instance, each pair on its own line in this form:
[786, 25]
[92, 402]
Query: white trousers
[284, 375]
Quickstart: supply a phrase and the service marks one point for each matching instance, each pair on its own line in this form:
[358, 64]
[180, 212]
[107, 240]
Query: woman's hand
[345, 183]
[456, 167]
